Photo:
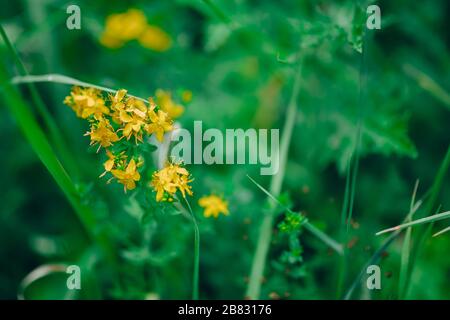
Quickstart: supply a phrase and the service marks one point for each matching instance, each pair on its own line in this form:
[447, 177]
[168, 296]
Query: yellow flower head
[127, 177]
[133, 118]
[114, 160]
[86, 102]
[102, 133]
[160, 122]
[123, 27]
[168, 180]
[155, 38]
[213, 205]
[117, 104]
[165, 102]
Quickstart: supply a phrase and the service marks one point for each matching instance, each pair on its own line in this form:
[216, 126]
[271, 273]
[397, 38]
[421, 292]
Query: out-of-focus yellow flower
[186, 96]
[123, 27]
[86, 102]
[213, 205]
[155, 38]
[165, 102]
[102, 133]
[160, 122]
[127, 177]
[168, 180]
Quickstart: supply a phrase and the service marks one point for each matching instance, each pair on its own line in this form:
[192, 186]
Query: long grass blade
[62, 79]
[265, 229]
[38, 141]
[441, 232]
[406, 247]
[433, 218]
[55, 133]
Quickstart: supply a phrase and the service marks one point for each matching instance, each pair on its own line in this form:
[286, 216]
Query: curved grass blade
[62, 79]
[41, 146]
[50, 124]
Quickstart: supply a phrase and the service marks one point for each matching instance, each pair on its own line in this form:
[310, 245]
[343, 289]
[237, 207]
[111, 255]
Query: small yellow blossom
[86, 102]
[113, 161]
[127, 177]
[123, 27]
[133, 117]
[165, 102]
[186, 96]
[160, 122]
[155, 38]
[117, 105]
[102, 133]
[169, 179]
[213, 205]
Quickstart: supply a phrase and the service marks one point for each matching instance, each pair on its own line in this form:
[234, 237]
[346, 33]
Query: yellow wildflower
[165, 102]
[117, 104]
[113, 161]
[134, 118]
[168, 180]
[123, 27]
[127, 177]
[160, 122]
[155, 38]
[102, 133]
[186, 96]
[86, 102]
[213, 205]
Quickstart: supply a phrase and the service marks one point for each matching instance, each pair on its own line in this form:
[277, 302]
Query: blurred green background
[238, 58]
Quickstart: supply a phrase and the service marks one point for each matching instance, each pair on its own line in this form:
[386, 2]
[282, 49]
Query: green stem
[196, 271]
[265, 230]
[53, 129]
[406, 248]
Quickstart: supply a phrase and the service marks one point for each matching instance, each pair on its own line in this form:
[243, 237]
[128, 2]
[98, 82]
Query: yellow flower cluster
[213, 205]
[132, 25]
[169, 179]
[118, 118]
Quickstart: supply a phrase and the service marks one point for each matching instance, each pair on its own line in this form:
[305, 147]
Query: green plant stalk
[265, 229]
[351, 176]
[196, 271]
[38, 141]
[50, 124]
[406, 248]
[431, 207]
